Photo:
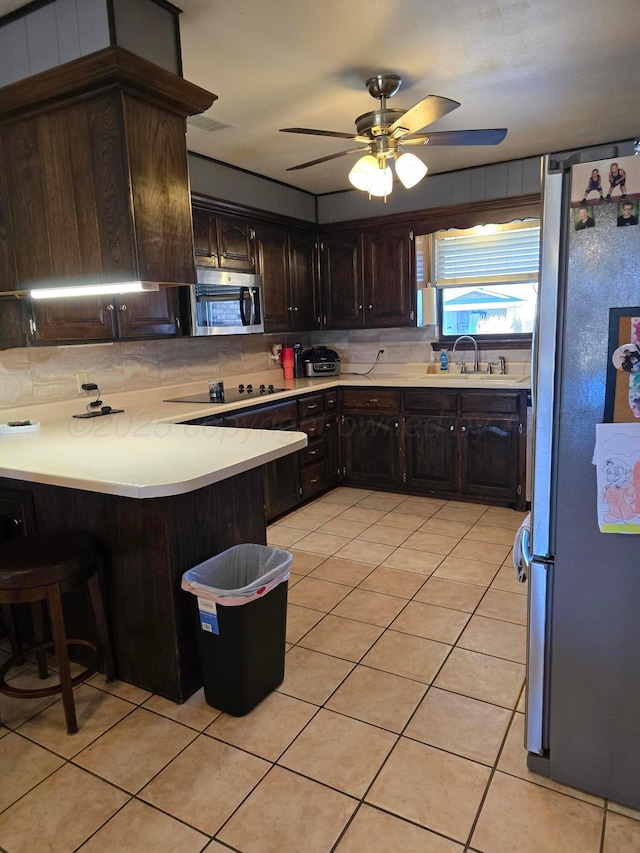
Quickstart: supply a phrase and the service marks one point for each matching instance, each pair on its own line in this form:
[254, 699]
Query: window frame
[522, 338]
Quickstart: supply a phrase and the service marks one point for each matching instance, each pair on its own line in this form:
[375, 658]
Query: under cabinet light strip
[93, 289]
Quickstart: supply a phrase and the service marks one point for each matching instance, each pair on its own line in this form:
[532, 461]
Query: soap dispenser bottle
[444, 361]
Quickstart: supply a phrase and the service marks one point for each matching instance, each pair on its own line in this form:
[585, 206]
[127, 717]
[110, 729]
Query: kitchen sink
[459, 379]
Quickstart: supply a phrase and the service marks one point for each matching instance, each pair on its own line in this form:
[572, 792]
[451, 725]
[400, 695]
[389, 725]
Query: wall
[228, 184]
[50, 36]
[48, 374]
[68, 29]
[499, 180]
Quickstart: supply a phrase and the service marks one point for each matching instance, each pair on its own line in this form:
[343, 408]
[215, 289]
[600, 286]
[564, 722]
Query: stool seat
[38, 569]
[46, 558]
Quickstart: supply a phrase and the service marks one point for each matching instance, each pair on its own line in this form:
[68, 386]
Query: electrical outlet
[382, 354]
[82, 378]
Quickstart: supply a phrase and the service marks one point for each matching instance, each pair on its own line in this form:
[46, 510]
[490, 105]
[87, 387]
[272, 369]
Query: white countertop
[148, 451]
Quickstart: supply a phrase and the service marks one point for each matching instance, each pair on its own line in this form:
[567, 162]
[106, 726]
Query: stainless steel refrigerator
[583, 655]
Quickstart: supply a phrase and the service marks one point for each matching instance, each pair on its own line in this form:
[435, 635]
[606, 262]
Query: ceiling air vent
[207, 123]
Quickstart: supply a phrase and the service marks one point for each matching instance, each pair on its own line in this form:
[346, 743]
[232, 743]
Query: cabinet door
[235, 249]
[489, 458]
[205, 240]
[303, 281]
[89, 318]
[331, 450]
[281, 485]
[388, 291]
[371, 450]
[341, 281]
[430, 446]
[148, 315]
[272, 252]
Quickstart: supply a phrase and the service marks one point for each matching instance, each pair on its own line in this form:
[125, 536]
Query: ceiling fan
[385, 131]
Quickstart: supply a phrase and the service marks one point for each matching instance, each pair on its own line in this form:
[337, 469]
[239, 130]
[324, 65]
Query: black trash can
[240, 600]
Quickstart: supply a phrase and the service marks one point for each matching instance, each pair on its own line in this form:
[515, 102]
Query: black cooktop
[231, 395]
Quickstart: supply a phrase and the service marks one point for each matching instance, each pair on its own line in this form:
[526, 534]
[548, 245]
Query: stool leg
[10, 625]
[101, 625]
[37, 619]
[54, 599]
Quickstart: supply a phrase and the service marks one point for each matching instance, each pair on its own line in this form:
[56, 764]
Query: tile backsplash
[48, 374]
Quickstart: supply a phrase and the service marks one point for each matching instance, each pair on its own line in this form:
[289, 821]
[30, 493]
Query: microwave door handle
[253, 306]
[242, 314]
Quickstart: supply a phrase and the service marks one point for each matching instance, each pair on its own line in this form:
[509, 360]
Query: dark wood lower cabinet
[430, 447]
[371, 450]
[281, 485]
[468, 445]
[489, 457]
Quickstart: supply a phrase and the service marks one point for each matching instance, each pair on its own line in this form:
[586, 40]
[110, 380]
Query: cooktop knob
[249, 389]
[270, 389]
[241, 388]
[262, 389]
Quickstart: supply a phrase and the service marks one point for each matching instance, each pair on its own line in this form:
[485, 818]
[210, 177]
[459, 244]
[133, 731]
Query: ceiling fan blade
[422, 114]
[492, 136]
[324, 159]
[334, 133]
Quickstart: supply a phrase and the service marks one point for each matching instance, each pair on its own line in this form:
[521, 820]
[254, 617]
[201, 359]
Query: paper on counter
[617, 460]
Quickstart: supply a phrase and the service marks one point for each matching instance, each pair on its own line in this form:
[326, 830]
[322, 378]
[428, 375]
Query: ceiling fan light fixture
[363, 172]
[381, 182]
[410, 169]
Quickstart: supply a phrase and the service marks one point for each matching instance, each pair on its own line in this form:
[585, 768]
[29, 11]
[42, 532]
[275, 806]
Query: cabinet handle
[359, 307]
[463, 429]
[451, 428]
[370, 307]
[314, 452]
[312, 406]
[289, 308]
[32, 326]
[123, 307]
[295, 309]
[111, 307]
[315, 480]
[177, 322]
[372, 400]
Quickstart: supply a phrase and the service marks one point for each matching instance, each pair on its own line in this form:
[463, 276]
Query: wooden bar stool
[38, 569]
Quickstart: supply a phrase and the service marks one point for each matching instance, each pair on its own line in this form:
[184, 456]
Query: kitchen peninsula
[159, 498]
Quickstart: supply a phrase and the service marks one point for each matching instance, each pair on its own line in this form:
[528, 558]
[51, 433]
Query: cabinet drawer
[331, 400]
[439, 401]
[313, 479]
[374, 400]
[313, 452]
[490, 402]
[281, 416]
[312, 426]
[312, 405]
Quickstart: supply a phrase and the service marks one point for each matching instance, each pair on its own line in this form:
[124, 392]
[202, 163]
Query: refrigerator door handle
[535, 707]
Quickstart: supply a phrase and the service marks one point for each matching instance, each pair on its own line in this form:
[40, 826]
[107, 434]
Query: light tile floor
[398, 727]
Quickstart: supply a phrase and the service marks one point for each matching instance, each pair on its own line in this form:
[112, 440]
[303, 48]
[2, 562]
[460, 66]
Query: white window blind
[489, 255]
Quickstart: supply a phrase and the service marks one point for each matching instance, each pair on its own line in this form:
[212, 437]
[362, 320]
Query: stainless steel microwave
[226, 303]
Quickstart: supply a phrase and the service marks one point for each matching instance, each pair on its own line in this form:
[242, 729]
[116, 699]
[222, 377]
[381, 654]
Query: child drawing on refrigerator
[620, 492]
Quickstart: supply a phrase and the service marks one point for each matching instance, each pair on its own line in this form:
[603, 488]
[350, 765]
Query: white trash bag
[238, 575]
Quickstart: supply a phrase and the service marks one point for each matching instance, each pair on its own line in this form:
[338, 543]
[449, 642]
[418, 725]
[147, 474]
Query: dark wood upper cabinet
[341, 280]
[222, 242]
[272, 252]
[388, 286]
[95, 183]
[303, 278]
[287, 263]
[152, 314]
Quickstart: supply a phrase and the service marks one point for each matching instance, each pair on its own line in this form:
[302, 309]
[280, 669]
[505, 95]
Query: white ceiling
[557, 73]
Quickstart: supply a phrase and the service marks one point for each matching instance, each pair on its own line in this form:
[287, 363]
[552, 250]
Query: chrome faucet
[503, 365]
[463, 368]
